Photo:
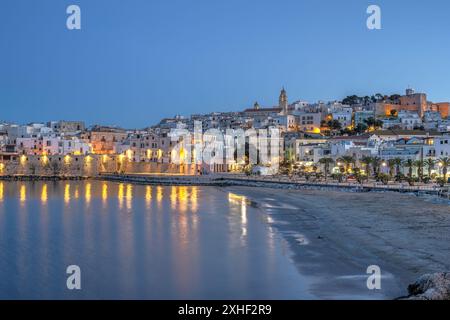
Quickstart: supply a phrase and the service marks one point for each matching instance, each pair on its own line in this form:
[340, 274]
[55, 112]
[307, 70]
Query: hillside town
[386, 138]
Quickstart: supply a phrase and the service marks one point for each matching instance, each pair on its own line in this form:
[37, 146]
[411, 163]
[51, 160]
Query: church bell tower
[283, 102]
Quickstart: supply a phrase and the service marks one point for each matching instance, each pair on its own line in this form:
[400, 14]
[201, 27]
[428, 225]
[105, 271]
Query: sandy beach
[334, 236]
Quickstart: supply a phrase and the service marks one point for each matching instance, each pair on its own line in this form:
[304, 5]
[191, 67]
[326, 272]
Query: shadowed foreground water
[139, 242]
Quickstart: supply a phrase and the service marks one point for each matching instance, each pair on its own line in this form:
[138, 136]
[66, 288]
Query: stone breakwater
[41, 178]
[430, 287]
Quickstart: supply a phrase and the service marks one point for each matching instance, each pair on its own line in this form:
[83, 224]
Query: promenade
[278, 181]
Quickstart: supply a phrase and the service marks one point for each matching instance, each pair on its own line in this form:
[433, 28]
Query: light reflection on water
[1, 191]
[44, 194]
[133, 241]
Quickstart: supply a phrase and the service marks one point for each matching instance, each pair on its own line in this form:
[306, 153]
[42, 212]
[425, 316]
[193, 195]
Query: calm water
[143, 242]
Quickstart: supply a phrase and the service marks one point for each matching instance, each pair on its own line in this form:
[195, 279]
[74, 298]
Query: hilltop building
[411, 101]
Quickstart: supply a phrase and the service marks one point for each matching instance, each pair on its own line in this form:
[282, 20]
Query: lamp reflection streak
[87, 193]
[129, 196]
[44, 194]
[67, 193]
[240, 202]
[23, 194]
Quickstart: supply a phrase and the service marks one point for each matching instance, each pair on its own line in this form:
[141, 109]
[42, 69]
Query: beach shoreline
[334, 236]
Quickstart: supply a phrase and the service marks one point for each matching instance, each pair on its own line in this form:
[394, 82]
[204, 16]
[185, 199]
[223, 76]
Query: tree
[376, 163]
[372, 122]
[429, 163]
[444, 163]
[393, 113]
[360, 128]
[338, 176]
[326, 162]
[379, 97]
[334, 125]
[366, 161]
[384, 178]
[398, 163]
[348, 162]
[286, 167]
[360, 177]
[419, 164]
[440, 181]
[392, 165]
[410, 165]
[351, 100]
[347, 131]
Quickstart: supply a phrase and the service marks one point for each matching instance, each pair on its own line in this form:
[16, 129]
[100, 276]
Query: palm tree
[286, 166]
[444, 163]
[376, 162]
[348, 161]
[419, 164]
[398, 163]
[366, 161]
[410, 165]
[392, 163]
[326, 162]
[429, 163]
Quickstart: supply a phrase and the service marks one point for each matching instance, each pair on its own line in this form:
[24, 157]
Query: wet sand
[334, 236]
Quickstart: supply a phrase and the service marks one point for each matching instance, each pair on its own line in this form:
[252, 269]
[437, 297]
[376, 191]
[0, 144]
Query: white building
[285, 122]
[409, 120]
[308, 121]
[442, 146]
[391, 123]
[344, 116]
[361, 116]
[29, 145]
[52, 145]
[74, 146]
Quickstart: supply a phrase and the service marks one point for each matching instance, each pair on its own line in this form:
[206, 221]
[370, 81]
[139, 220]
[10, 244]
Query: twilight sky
[137, 61]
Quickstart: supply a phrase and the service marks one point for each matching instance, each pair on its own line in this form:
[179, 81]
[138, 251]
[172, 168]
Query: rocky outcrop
[431, 287]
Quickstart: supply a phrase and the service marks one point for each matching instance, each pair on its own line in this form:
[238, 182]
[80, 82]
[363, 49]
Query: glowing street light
[67, 159]
[129, 154]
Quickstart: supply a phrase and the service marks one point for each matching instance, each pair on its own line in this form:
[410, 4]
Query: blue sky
[137, 61]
